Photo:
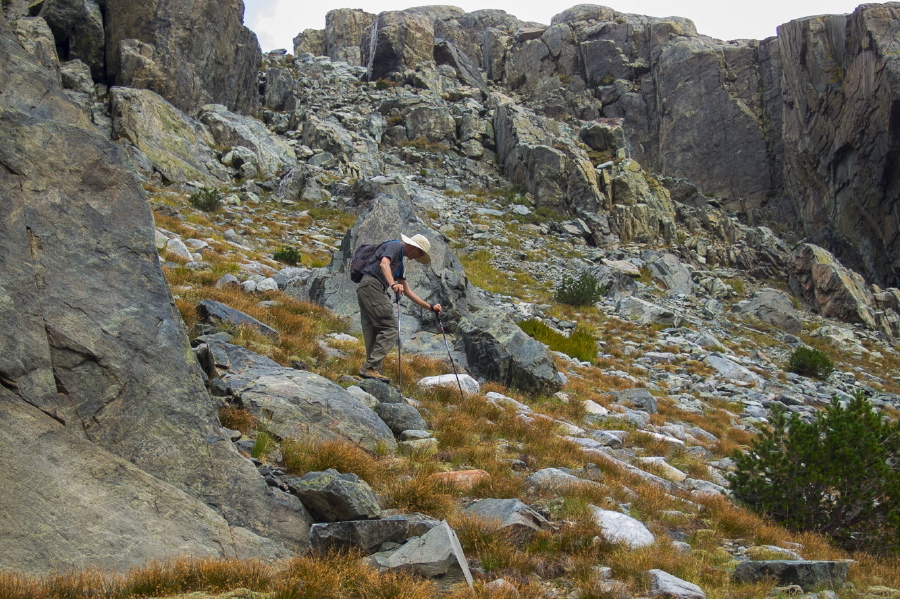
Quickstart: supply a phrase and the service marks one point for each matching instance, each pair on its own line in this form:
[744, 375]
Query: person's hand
[397, 288]
[436, 308]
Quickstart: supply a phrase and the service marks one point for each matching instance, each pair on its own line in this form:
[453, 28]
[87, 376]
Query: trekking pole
[399, 345]
[450, 355]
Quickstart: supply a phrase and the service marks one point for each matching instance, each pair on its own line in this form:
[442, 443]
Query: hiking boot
[371, 373]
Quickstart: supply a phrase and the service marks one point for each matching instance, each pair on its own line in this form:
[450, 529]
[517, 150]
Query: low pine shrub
[207, 200]
[836, 475]
[807, 361]
[584, 290]
[579, 344]
[289, 255]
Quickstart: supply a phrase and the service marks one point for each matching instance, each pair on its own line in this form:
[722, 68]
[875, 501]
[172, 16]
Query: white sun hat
[421, 242]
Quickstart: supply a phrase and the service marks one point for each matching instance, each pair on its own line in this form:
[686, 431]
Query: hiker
[383, 272]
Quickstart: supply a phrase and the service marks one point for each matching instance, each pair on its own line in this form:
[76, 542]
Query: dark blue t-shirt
[393, 250]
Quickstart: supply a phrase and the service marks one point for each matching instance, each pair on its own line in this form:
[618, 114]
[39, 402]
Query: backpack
[361, 258]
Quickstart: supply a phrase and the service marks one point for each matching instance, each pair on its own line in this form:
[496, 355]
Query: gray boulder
[640, 399]
[36, 38]
[229, 129]
[176, 145]
[191, 54]
[100, 385]
[295, 403]
[620, 528]
[497, 349]
[819, 280]
[810, 575]
[446, 52]
[279, 90]
[669, 270]
[437, 555]
[330, 496]
[400, 417]
[647, 312]
[365, 535]
[511, 517]
[774, 307]
[431, 123]
[663, 584]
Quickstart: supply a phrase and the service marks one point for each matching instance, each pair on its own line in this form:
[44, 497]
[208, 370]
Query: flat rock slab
[640, 399]
[366, 535]
[511, 516]
[663, 584]
[218, 313]
[298, 404]
[437, 555]
[810, 575]
[330, 496]
[620, 528]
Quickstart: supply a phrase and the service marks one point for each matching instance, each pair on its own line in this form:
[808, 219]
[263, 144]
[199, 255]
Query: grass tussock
[579, 344]
[305, 456]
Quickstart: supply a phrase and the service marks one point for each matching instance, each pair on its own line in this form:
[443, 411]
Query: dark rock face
[189, 53]
[95, 362]
[77, 27]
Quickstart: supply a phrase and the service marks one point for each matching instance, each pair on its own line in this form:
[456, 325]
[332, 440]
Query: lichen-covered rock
[344, 31]
[810, 575]
[330, 496]
[818, 279]
[176, 144]
[229, 129]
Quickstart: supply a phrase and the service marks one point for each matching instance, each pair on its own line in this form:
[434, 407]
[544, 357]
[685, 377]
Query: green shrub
[582, 291]
[810, 362]
[836, 475]
[208, 200]
[382, 84]
[579, 344]
[288, 255]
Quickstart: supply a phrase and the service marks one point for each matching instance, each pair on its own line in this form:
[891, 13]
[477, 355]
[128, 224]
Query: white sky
[276, 22]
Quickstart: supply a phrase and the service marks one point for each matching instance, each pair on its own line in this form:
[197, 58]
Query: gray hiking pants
[378, 320]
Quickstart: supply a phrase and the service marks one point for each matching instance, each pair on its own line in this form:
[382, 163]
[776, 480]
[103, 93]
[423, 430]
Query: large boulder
[397, 41]
[437, 554]
[100, 388]
[774, 307]
[511, 517]
[621, 528]
[334, 497]
[176, 145]
[229, 129]
[296, 403]
[190, 53]
[818, 279]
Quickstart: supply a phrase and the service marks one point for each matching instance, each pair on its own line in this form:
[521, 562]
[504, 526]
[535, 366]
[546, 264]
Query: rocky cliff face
[189, 53]
[802, 124]
[97, 376]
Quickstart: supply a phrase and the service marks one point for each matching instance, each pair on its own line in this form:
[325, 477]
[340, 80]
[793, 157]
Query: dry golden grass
[420, 493]
[237, 419]
[305, 456]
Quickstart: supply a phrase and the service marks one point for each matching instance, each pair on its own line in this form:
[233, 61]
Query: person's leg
[380, 324]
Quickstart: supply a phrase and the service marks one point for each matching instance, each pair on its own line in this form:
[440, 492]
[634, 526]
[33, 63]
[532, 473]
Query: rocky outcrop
[190, 53]
[231, 130]
[77, 27]
[344, 32]
[97, 375]
[809, 575]
[168, 142]
[397, 41]
[818, 279]
[774, 307]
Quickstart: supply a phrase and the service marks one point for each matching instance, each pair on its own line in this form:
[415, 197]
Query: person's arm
[418, 300]
[393, 285]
